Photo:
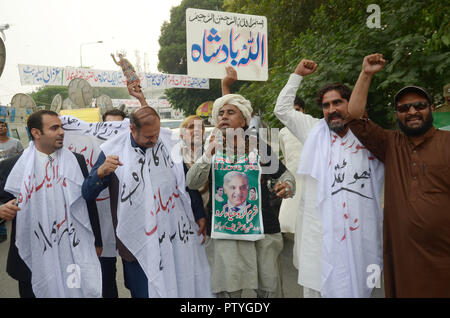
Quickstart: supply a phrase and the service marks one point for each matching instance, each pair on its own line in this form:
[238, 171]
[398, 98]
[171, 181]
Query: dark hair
[343, 89]
[35, 120]
[114, 112]
[298, 101]
[138, 120]
[4, 122]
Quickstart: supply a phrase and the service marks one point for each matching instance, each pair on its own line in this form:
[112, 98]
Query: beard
[335, 126]
[408, 131]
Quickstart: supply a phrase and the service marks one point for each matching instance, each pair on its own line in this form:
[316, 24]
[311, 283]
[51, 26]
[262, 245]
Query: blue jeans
[135, 279]
[109, 285]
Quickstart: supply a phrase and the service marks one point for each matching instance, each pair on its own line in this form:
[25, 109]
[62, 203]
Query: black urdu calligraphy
[339, 178]
[136, 178]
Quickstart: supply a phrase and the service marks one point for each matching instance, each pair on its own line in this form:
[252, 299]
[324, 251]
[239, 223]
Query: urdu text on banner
[61, 76]
[218, 39]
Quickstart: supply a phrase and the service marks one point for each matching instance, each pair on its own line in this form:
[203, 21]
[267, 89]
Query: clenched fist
[109, 166]
[373, 63]
[134, 89]
[305, 67]
[9, 210]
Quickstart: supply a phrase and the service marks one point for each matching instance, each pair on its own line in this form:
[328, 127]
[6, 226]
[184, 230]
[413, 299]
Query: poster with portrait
[236, 200]
[217, 39]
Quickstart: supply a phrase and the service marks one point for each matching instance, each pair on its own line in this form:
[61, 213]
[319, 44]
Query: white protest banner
[134, 103]
[163, 235]
[218, 39]
[51, 75]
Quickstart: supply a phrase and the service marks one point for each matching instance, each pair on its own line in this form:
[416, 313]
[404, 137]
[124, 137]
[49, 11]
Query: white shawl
[85, 138]
[175, 267]
[348, 200]
[57, 245]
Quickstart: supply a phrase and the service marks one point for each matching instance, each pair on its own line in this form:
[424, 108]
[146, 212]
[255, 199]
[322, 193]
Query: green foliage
[414, 38]
[45, 94]
[172, 56]
[285, 20]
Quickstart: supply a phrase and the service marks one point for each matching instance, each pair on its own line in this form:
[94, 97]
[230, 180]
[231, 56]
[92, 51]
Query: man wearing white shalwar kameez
[339, 219]
[291, 148]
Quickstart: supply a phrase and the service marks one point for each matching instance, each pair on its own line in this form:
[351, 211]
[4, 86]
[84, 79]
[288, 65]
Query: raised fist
[305, 67]
[373, 63]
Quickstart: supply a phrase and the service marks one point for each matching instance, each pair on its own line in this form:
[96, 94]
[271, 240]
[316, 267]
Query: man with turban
[238, 264]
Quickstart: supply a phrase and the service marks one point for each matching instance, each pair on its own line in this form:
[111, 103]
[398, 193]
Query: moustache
[410, 117]
[335, 115]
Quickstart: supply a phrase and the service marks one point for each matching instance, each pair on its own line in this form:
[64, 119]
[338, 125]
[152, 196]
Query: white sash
[85, 138]
[57, 244]
[166, 246]
[348, 196]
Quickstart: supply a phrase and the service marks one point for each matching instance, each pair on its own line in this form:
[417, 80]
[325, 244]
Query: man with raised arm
[340, 214]
[416, 229]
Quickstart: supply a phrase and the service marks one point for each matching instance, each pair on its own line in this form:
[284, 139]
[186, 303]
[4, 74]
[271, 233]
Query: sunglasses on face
[417, 106]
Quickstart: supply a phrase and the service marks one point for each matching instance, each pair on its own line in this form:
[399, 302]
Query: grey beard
[336, 127]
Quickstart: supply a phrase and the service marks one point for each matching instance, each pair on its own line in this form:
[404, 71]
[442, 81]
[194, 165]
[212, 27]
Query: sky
[50, 32]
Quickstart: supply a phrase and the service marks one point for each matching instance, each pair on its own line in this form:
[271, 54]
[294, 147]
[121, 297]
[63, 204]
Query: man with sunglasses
[338, 227]
[416, 229]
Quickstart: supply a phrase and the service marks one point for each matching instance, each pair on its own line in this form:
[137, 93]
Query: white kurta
[320, 268]
[292, 149]
[349, 182]
[308, 228]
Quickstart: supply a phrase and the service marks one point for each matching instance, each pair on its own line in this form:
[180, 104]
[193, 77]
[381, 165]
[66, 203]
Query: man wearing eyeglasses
[416, 229]
[338, 234]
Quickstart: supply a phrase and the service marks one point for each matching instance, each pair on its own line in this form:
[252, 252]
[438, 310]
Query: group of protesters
[361, 200]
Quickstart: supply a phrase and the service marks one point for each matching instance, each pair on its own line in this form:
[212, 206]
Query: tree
[45, 94]
[413, 38]
[285, 20]
[172, 56]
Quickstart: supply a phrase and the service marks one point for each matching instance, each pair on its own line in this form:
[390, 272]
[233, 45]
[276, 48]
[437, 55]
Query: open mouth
[334, 117]
[414, 120]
